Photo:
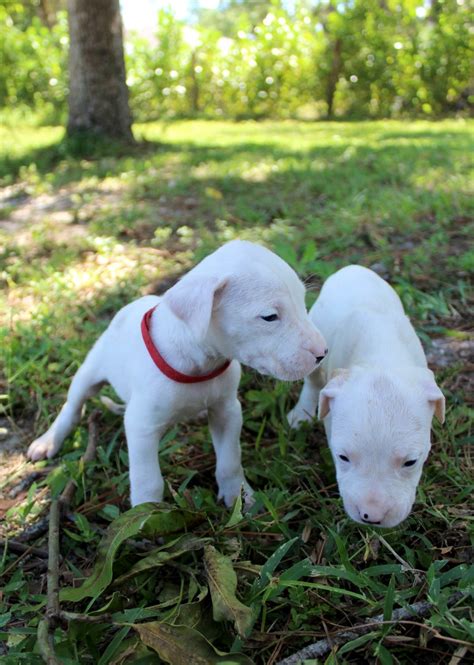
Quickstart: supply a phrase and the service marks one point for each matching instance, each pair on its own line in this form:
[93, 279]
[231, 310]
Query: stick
[89, 454]
[322, 647]
[47, 624]
[20, 548]
[41, 527]
[34, 531]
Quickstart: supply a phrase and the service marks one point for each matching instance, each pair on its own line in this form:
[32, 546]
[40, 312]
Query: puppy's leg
[305, 408]
[143, 433]
[86, 383]
[225, 423]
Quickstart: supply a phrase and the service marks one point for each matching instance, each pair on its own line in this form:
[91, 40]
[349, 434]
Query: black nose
[365, 518]
[320, 359]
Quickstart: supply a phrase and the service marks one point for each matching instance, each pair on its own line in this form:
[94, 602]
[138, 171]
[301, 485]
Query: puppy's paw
[297, 416]
[231, 489]
[247, 495]
[42, 448]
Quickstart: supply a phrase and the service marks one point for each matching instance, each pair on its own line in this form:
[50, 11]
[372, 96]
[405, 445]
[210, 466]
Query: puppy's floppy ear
[192, 300]
[330, 390]
[436, 398]
[434, 395]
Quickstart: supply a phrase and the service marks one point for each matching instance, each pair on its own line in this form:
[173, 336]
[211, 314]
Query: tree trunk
[194, 91]
[98, 94]
[333, 76]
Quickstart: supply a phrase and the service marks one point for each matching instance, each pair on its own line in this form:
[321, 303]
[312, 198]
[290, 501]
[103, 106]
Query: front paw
[42, 448]
[231, 489]
[297, 416]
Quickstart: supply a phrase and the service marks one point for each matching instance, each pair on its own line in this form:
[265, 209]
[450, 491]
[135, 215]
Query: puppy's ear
[330, 390]
[192, 300]
[436, 398]
[433, 394]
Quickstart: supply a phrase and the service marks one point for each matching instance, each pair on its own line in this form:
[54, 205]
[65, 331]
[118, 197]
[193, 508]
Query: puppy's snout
[372, 514]
[319, 359]
[316, 345]
[365, 518]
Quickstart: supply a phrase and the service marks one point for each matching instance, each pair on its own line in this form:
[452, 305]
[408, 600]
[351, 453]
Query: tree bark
[98, 94]
[333, 76]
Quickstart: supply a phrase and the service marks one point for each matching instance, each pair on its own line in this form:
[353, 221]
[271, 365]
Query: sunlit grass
[85, 233]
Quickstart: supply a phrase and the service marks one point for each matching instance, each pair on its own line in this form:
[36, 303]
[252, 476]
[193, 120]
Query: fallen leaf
[147, 518]
[160, 556]
[222, 585]
[181, 645]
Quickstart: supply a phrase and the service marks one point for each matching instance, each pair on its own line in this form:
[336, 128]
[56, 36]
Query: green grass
[86, 231]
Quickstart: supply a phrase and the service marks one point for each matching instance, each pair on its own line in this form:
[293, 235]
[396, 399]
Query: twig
[41, 527]
[89, 454]
[20, 548]
[25, 483]
[322, 647]
[48, 622]
[34, 531]
[53, 613]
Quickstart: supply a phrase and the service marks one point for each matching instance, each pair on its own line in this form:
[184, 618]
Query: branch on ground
[320, 648]
[53, 613]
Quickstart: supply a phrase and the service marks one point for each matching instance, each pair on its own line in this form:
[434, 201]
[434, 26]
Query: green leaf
[389, 598]
[271, 564]
[162, 555]
[148, 518]
[236, 515]
[295, 572]
[383, 655]
[181, 645]
[5, 618]
[222, 585]
[355, 644]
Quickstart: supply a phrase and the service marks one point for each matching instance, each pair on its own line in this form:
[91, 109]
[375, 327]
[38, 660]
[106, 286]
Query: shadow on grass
[79, 152]
[87, 147]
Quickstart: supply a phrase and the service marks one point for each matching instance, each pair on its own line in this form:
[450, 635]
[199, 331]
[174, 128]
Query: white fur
[213, 313]
[380, 398]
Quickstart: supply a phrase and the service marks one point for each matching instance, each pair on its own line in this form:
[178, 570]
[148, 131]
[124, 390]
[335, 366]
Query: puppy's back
[353, 288]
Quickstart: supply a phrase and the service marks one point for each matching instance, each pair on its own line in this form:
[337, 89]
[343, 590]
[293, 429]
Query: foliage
[83, 235]
[34, 61]
[360, 58]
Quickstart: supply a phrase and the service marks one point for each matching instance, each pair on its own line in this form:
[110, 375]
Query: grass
[84, 234]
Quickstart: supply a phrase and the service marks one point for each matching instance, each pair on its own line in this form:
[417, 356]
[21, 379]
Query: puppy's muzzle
[319, 359]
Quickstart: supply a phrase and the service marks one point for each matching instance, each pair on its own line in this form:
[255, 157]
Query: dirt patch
[445, 352]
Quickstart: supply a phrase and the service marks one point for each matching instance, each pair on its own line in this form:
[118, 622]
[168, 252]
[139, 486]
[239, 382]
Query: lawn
[83, 232]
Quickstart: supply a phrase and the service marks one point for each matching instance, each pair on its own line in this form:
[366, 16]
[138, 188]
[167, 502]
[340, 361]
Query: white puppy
[380, 398]
[168, 358]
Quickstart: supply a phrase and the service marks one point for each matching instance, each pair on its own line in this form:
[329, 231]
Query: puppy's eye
[344, 458]
[410, 462]
[270, 317]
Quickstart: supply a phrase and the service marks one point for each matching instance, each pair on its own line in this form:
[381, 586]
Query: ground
[85, 229]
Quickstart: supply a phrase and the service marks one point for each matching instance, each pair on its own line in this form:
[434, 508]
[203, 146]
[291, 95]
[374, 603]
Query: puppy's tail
[118, 409]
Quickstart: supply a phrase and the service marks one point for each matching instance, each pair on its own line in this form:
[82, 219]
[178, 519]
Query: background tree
[98, 94]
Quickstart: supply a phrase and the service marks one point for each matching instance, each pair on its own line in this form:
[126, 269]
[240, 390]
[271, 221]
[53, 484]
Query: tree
[98, 94]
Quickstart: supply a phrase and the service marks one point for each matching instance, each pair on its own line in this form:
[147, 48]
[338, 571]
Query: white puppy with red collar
[168, 359]
[380, 398]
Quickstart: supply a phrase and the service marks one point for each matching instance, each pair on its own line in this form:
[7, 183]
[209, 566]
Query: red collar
[161, 363]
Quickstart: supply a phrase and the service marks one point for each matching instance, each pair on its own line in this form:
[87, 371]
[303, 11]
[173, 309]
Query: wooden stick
[320, 648]
[89, 454]
[20, 548]
[47, 624]
[53, 615]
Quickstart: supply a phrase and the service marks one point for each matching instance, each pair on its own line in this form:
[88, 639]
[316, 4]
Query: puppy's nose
[365, 518]
[372, 515]
[319, 359]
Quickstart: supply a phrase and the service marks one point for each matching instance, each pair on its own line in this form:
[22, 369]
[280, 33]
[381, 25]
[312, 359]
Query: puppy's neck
[179, 347]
